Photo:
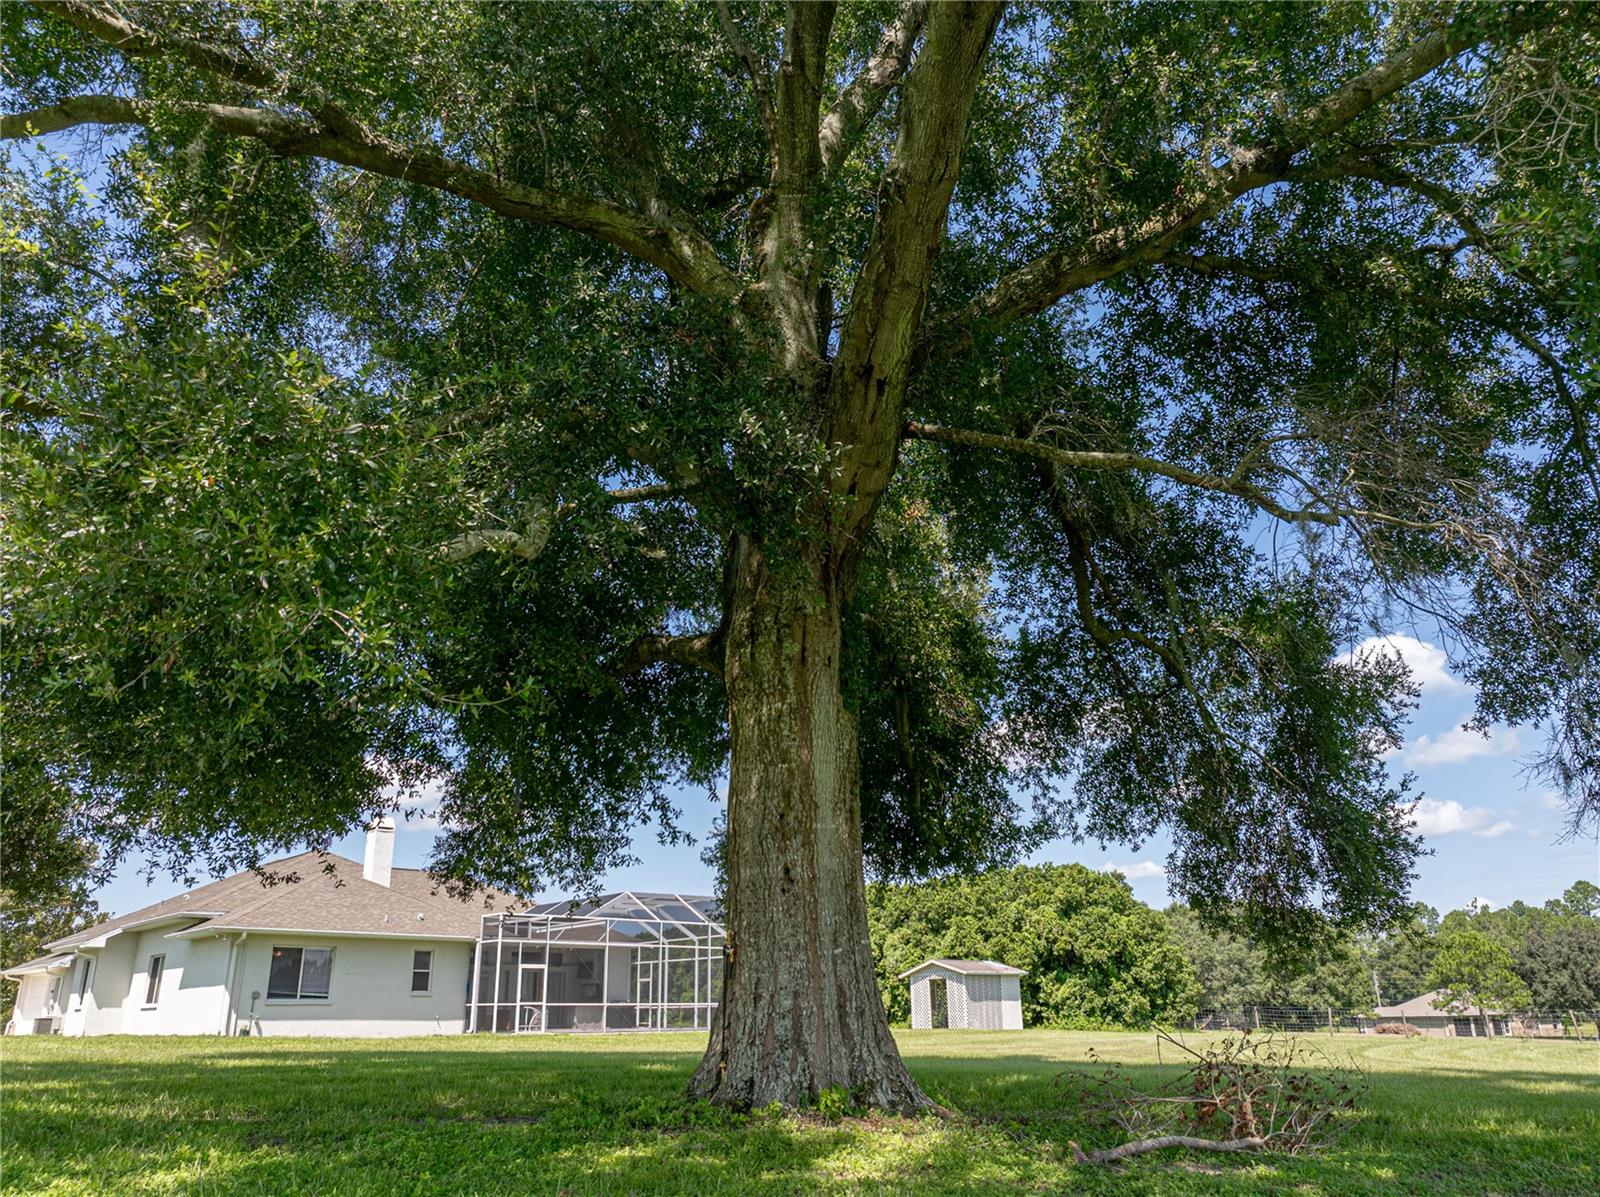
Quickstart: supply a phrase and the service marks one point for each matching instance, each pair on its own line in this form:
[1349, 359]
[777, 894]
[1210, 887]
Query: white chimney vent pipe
[379, 861]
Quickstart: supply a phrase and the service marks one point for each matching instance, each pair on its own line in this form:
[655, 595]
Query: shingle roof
[1423, 1007]
[970, 967]
[39, 964]
[301, 893]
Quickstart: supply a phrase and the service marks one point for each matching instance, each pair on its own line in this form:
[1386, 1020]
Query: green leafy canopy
[388, 386]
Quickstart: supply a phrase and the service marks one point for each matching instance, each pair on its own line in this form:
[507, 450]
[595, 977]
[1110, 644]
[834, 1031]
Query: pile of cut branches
[1248, 1092]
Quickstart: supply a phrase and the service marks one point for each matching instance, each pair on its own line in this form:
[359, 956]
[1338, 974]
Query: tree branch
[530, 542]
[878, 339]
[753, 67]
[1083, 459]
[1560, 378]
[785, 251]
[1033, 287]
[1161, 1143]
[700, 652]
[864, 97]
[1450, 203]
[684, 254]
[100, 22]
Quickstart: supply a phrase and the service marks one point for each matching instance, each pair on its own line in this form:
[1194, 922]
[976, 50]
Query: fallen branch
[1140, 1146]
[1250, 1092]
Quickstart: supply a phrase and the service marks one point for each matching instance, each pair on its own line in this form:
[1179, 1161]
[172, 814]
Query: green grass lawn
[567, 1115]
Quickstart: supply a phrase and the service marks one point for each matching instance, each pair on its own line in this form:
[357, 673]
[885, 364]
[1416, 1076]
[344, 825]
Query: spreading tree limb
[664, 241]
[753, 67]
[699, 652]
[1035, 286]
[864, 96]
[1087, 459]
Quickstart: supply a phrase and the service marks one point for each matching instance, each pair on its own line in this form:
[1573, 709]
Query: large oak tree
[963, 425]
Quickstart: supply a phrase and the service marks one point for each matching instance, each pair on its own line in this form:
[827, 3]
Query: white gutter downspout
[472, 982]
[227, 988]
[230, 1016]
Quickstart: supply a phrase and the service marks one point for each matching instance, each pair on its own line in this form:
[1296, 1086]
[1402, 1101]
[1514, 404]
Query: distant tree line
[1097, 957]
[1541, 957]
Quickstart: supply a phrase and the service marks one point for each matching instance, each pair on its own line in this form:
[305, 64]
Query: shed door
[939, 1003]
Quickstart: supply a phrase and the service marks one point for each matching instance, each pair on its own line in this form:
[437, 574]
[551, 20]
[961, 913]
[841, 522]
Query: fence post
[1257, 1010]
[1572, 1015]
[1330, 1020]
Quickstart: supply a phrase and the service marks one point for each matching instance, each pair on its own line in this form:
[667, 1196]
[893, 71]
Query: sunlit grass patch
[507, 1115]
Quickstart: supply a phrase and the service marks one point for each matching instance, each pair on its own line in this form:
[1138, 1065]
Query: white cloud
[1429, 665]
[1460, 744]
[417, 807]
[1434, 816]
[1135, 872]
[1552, 800]
[1481, 904]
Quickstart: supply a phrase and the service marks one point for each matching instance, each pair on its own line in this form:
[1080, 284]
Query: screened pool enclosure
[624, 962]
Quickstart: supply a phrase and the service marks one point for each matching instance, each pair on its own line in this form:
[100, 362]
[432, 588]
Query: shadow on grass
[287, 1116]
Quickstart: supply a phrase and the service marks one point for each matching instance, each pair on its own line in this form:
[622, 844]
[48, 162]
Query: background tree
[1230, 970]
[1333, 969]
[1095, 956]
[1560, 964]
[1403, 956]
[25, 927]
[910, 409]
[1581, 899]
[1471, 970]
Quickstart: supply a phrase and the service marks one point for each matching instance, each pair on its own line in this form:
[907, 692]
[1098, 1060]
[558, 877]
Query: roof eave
[1004, 970]
[206, 929]
[100, 940]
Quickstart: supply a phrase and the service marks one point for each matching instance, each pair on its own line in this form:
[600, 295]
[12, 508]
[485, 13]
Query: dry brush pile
[1247, 1092]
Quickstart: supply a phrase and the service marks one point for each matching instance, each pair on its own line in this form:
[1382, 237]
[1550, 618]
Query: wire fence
[1580, 1025]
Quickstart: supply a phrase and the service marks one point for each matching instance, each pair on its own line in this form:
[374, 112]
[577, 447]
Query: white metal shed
[975, 995]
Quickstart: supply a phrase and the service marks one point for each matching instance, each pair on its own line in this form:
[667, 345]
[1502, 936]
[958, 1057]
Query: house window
[421, 972]
[299, 973]
[152, 989]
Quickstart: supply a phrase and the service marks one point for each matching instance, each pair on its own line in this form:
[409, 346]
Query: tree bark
[800, 1009]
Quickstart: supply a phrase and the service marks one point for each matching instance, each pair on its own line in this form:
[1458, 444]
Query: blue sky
[1494, 836]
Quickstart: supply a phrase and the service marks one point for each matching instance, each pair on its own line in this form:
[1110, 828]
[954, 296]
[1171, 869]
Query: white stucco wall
[370, 993]
[33, 1001]
[108, 988]
[193, 989]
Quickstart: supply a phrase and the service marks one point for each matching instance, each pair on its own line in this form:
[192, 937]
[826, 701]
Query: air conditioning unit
[47, 1026]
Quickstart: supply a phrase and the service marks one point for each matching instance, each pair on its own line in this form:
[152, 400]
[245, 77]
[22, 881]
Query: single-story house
[322, 946]
[977, 995]
[1449, 1020]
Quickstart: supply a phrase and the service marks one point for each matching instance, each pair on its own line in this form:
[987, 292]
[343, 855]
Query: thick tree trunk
[800, 1008]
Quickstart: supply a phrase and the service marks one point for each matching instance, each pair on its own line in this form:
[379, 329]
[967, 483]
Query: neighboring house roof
[970, 967]
[1423, 1007]
[300, 893]
[43, 964]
